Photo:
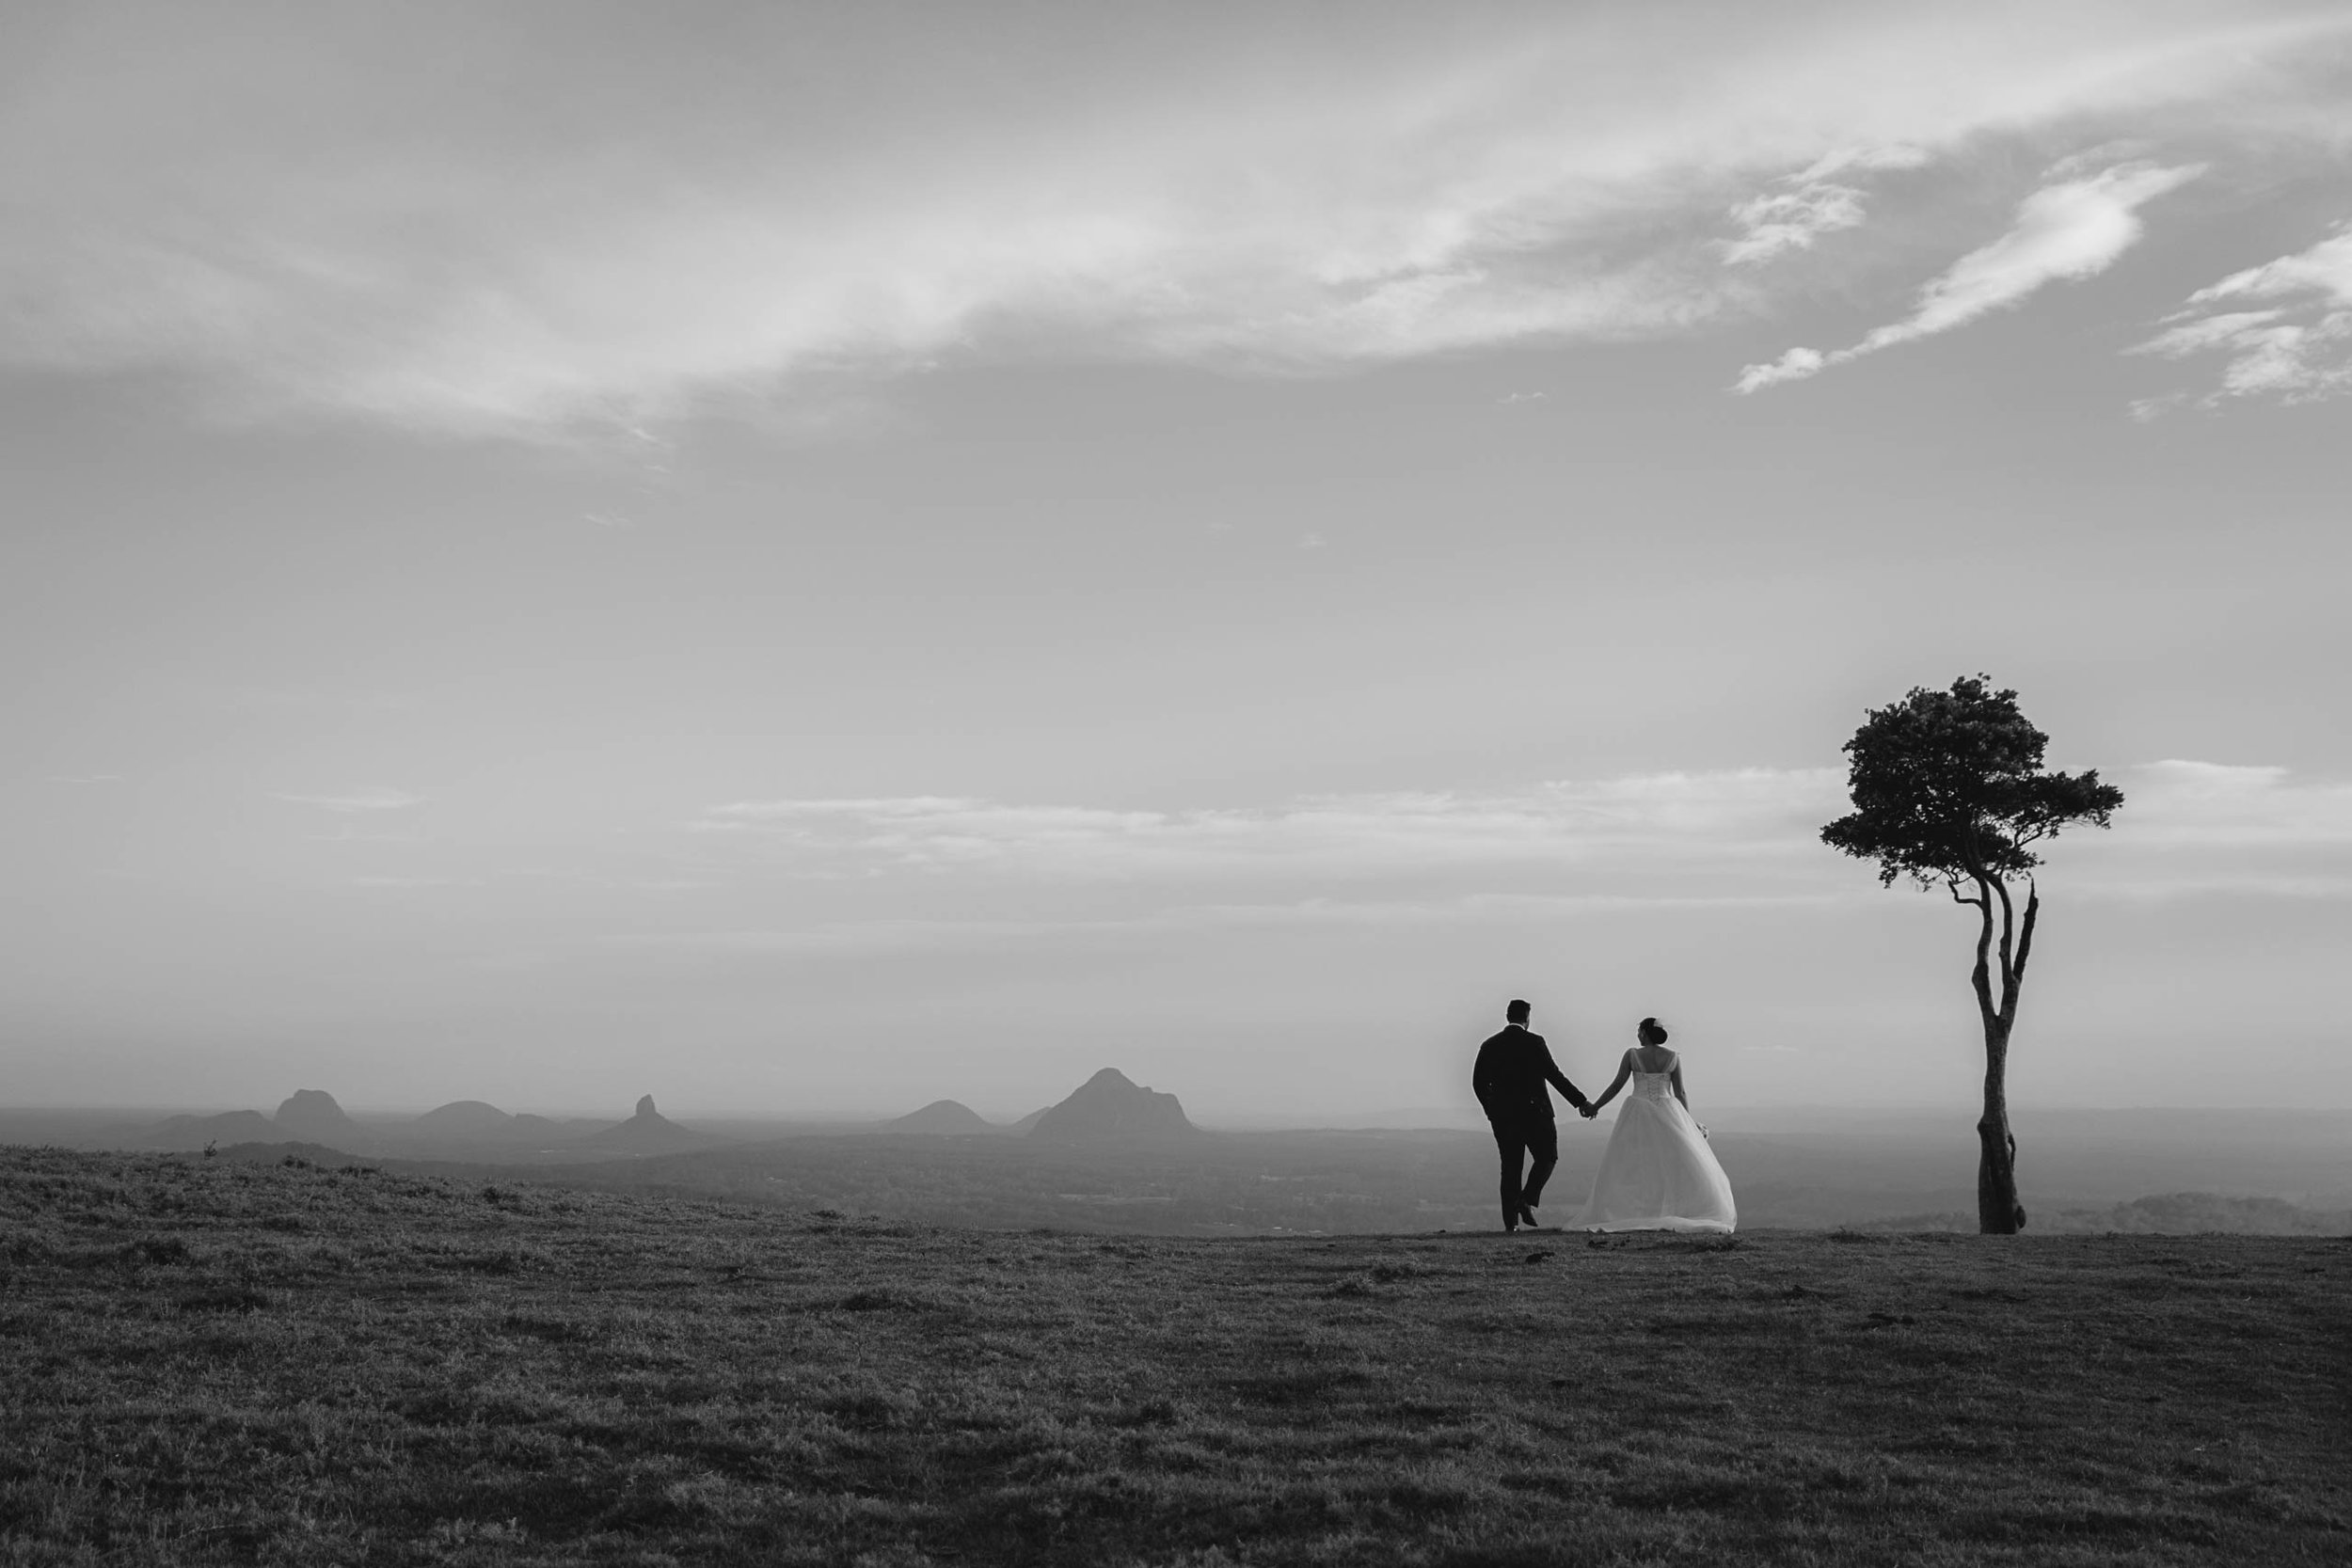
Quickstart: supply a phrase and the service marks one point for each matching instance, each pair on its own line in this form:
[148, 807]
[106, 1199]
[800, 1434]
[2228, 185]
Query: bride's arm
[1625, 1068]
[1676, 1081]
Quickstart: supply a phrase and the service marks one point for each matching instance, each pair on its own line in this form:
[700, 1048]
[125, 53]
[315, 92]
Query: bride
[1657, 1173]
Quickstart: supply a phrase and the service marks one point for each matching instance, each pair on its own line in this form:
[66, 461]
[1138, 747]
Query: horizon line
[1338, 1121]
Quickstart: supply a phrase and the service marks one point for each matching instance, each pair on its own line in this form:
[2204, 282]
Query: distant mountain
[231, 1126]
[1110, 1104]
[465, 1121]
[942, 1116]
[649, 1132]
[311, 1115]
[1029, 1123]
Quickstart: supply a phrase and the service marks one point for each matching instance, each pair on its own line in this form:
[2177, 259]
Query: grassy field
[205, 1362]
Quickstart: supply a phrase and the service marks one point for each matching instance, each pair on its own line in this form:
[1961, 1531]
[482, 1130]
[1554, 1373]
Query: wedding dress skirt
[1657, 1173]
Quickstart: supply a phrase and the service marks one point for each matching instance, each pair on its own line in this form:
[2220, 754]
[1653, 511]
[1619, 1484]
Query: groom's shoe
[1527, 1218]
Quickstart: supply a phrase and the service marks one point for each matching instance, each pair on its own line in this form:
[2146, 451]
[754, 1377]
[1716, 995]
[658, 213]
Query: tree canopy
[1949, 786]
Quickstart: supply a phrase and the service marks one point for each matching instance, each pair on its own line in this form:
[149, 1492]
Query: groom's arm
[1484, 1078]
[1559, 1081]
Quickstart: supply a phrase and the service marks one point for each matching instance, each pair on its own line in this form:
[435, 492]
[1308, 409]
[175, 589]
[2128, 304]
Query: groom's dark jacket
[1509, 1079]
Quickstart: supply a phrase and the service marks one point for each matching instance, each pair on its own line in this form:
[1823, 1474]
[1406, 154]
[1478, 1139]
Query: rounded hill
[942, 1116]
[464, 1118]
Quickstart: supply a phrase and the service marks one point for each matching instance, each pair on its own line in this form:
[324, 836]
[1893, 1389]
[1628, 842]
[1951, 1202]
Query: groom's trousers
[1535, 1140]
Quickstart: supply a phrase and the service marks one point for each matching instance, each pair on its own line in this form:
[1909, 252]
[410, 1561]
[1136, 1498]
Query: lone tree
[1948, 788]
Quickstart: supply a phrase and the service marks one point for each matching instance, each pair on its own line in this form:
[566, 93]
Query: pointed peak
[649, 1132]
[1110, 1104]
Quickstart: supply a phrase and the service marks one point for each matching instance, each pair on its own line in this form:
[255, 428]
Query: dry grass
[208, 1363]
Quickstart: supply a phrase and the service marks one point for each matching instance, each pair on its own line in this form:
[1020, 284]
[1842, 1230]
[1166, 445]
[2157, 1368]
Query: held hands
[1588, 1110]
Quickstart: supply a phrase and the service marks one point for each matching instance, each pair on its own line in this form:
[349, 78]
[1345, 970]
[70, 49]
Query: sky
[805, 560]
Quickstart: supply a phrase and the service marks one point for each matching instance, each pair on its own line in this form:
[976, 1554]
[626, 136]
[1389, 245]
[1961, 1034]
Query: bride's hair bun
[1653, 1032]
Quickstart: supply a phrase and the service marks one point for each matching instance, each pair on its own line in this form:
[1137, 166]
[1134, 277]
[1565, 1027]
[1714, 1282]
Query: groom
[1513, 1068]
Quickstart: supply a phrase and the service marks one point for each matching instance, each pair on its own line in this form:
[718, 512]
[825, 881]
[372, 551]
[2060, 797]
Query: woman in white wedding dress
[1657, 1173]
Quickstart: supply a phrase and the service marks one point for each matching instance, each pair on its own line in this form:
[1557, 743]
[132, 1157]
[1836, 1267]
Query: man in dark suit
[1512, 1069]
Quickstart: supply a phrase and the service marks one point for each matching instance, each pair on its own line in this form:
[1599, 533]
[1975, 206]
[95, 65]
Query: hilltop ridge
[1045, 1398]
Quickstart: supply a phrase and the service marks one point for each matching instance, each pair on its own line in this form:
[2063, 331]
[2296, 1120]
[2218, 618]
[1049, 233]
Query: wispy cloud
[1817, 201]
[1727, 835]
[357, 801]
[616, 221]
[2183, 804]
[1732, 816]
[2190, 829]
[1060, 878]
[2072, 229]
[2296, 344]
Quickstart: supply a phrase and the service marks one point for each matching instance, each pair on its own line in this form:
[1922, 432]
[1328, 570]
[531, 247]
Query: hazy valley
[1117, 1156]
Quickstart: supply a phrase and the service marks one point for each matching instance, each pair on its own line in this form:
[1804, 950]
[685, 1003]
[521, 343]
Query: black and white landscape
[1505, 783]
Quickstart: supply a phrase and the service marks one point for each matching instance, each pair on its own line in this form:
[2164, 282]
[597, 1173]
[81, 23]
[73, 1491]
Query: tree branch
[2009, 968]
[2024, 939]
[1980, 978]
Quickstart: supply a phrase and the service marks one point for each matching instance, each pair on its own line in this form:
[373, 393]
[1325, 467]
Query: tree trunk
[1998, 1212]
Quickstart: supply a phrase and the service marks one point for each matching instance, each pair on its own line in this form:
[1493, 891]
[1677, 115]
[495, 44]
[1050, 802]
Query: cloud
[2194, 828]
[1810, 203]
[1000, 879]
[2073, 229]
[2181, 804]
[607, 218]
[1792, 220]
[357, 801]
[1736, 837]
[2296, 346]
[1730, 815]
[1795, 365]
